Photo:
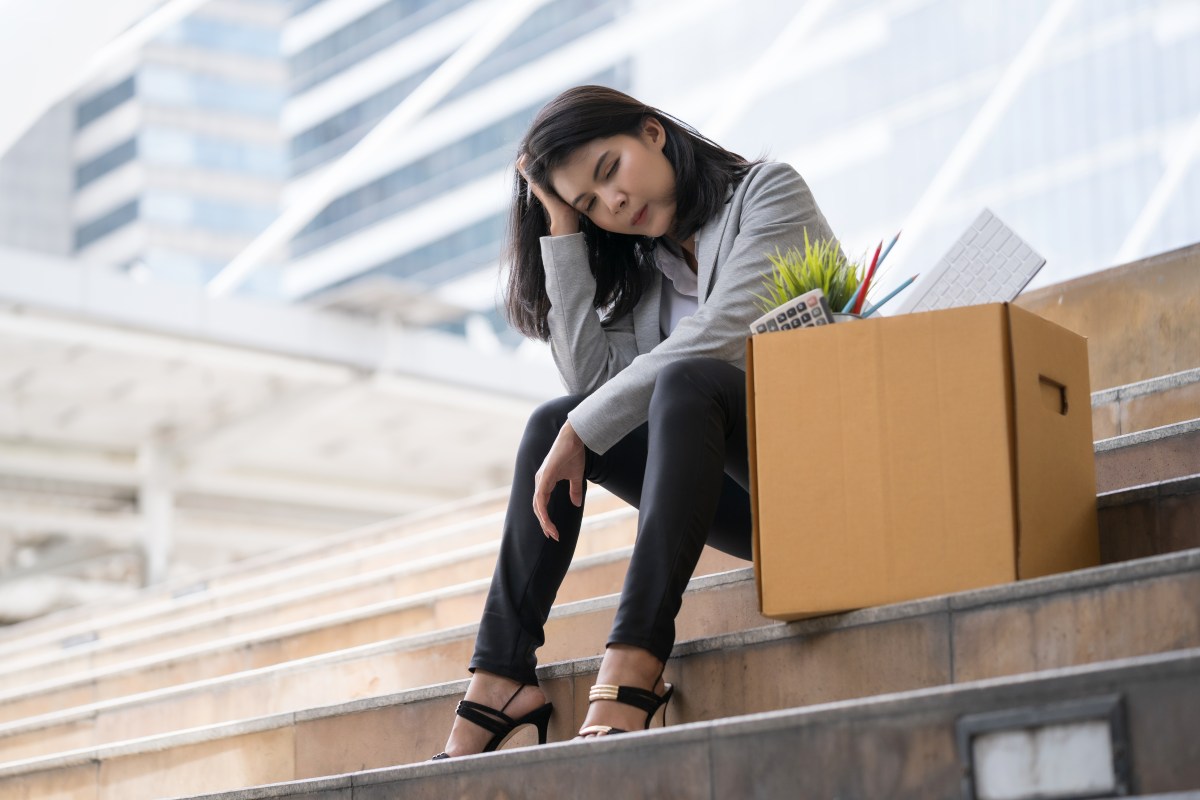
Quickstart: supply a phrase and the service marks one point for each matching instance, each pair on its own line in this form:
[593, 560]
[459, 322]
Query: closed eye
[611, 171]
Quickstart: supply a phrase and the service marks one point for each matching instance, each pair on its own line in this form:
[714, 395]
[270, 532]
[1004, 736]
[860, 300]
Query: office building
[178, 159]
[1063, 118]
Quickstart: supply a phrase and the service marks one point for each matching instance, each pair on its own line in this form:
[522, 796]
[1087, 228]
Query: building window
[112, 221]
[105, 163]
[100, 104]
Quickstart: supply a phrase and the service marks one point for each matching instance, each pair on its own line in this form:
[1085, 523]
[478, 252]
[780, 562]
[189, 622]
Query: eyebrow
[595, 175]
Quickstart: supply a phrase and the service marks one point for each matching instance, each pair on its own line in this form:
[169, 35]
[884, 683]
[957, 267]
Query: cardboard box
[904, 457]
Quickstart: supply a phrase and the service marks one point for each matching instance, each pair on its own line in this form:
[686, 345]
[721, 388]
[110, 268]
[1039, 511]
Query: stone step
[341, 565]
[274, 674]
[54, 725]
[424, 604]
[1149, 456]
[1146, 404]
[1116, 611]
[1127, 460]
[305, 601]
[1149, 520]
[79, 620]
[906, 745]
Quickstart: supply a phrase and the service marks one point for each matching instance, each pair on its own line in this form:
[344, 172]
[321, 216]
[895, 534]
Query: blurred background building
[160, 413]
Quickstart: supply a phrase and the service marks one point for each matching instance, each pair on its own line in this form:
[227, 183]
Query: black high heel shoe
[631, 696]
[499, 724]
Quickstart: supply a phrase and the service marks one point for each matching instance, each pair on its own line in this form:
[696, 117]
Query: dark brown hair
[704, 173]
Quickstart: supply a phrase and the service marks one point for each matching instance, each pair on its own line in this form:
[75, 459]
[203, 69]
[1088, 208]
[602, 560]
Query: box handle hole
[1054, 395]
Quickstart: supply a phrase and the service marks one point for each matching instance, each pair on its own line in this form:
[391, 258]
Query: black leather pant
[685, 470]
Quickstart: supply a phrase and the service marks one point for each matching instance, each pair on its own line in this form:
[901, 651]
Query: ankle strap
[487, 718]
[629, 695]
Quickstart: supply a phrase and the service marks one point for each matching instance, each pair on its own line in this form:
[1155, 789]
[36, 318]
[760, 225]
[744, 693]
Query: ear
[653, 133]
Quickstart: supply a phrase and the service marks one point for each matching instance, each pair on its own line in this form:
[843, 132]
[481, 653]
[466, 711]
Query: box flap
[1055, 457]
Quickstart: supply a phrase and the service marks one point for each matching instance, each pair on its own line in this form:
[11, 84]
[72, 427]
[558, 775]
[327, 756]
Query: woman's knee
[684, 379]
[548, 418]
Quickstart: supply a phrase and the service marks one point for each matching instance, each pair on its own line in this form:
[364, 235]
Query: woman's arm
[586, 352]
[776, 209]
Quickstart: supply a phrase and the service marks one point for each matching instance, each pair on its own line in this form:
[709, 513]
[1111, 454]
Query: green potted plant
[822, 266]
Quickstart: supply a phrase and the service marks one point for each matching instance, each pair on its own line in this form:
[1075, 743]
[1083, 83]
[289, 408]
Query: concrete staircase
[331, 671]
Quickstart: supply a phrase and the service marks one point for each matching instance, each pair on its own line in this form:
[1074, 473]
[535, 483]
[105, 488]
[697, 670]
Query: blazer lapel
[708, 245]
[646, 331]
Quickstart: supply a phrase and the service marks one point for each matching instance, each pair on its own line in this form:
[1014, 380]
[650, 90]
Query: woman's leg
[695, 491]
[530, 568]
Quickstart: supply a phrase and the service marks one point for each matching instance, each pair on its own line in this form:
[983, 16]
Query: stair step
[899, 745]
[479, 518]
[1170, 451]
[36, 725]
[1115, 611]
[1157, 518]
[103, 714]
[376, 557]
[69, 621]
[1146, 404]
[301, 602]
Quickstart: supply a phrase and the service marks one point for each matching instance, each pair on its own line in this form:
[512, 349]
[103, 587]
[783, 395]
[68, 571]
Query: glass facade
[184, 85]
[448, 168]
[868, 108]
[174, 87]
[176, 209]
[189, 149]
[218, 35]
[1071, 161]
[374, 31]
[333, 137]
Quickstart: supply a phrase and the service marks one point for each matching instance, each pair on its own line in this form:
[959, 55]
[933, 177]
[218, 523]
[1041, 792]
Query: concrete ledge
[1174, 487]
[712, 770]
[1136, 438]
[1152, 386]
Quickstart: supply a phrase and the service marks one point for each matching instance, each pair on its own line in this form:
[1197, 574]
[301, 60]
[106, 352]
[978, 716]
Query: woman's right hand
[561, 217]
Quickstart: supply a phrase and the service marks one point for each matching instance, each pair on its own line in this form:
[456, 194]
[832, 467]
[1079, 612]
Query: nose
[615, 200]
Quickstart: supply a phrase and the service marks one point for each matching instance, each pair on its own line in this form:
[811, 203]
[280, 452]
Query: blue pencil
[890, 295]
[888, 249]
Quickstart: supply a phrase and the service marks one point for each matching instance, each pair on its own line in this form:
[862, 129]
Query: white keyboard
[988, 264]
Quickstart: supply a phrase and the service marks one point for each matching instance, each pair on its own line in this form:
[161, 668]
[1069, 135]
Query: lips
[641, 215]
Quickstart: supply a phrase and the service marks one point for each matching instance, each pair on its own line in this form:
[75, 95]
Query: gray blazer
[616, 364]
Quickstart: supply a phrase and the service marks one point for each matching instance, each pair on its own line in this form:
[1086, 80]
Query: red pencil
[862, 293]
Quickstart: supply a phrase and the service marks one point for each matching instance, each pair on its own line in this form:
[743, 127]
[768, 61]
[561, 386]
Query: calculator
[806, 311]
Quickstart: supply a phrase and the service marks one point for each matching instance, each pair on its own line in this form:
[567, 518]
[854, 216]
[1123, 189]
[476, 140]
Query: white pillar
[156, 502]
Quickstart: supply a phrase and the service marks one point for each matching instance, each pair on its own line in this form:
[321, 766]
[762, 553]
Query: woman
[636, 248]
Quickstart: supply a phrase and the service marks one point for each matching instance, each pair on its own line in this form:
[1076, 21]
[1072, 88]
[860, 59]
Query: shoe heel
[541, 718]
[665, 701]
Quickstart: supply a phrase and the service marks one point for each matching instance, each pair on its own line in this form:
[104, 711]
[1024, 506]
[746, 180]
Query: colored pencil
[866, 284]
[890, 295]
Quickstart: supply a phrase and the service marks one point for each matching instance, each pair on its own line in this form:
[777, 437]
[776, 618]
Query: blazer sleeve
[586, 352]
[777, 208]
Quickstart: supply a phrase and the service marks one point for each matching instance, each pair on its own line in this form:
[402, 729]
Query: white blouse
[679, 292]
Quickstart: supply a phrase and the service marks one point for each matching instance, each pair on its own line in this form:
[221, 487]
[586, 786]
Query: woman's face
[624, 184]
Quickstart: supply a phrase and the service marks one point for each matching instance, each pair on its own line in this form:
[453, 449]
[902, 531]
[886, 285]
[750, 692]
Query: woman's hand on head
[564, 462]
[561, 217]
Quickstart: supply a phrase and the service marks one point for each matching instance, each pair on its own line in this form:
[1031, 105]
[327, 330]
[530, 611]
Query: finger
[541, 499]
[577, 492]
